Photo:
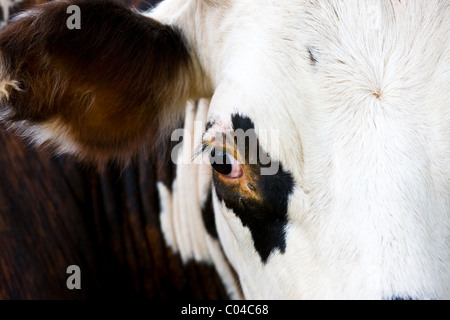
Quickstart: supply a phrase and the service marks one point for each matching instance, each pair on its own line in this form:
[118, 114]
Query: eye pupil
[221, 162]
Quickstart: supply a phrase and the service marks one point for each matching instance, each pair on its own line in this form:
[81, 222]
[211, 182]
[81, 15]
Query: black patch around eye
[266, 218]
[242, 122]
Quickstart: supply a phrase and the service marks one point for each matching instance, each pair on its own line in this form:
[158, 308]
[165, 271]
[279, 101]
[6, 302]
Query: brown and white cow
[341, 188]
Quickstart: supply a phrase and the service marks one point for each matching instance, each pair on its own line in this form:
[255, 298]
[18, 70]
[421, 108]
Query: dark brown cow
[55, 213]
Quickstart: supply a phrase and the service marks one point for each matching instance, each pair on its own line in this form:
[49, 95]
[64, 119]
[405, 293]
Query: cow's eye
[225, 164]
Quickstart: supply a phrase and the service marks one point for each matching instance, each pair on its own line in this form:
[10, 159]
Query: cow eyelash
[204, 149]
[228, 168]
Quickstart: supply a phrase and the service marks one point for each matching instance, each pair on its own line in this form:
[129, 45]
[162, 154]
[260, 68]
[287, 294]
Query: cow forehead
[320, 71]
[274, 71]
[351, 119]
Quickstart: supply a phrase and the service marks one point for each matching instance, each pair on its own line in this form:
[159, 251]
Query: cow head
[341, 186]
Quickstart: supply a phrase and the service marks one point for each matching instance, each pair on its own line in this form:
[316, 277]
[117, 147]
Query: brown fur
[108, 82]
[54, 213]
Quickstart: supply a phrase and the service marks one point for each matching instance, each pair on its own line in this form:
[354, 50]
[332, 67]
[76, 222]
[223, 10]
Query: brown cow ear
[101, 91]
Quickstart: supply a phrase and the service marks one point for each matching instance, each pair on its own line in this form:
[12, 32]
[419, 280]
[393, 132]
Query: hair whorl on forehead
[101, 91]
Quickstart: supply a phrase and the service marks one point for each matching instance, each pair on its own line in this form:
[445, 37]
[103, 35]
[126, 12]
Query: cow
[314, 160]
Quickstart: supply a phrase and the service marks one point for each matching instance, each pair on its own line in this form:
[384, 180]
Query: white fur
[366, 134]
[7, 85]
[53, 132]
